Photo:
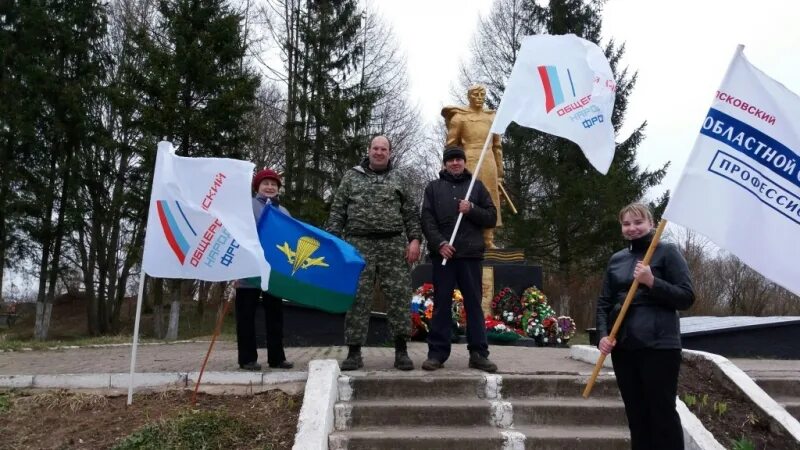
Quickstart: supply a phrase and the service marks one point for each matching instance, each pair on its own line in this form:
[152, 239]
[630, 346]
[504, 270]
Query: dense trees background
[88, 88]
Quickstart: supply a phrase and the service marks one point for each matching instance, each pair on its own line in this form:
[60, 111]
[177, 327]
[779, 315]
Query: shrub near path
[62, 420]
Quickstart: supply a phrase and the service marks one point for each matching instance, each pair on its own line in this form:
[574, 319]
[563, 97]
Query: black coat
[440, 212]
[652, 320]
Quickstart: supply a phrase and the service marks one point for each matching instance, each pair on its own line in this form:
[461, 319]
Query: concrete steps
[417, 412]
[785, 391]
[467, 438]
[569, 411]
[576, 437]
[441, 411]
[404, 387]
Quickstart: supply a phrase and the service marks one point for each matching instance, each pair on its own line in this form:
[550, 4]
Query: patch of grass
[742, 444]
[191, 326]
[15, 344]
[192, 430]
[5, 402]
[580, 338]
[63, 400]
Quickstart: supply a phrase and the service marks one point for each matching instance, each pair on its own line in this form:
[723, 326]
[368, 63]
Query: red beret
[264, 175]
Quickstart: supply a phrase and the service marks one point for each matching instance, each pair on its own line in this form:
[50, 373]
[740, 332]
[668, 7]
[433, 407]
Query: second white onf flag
[200, 224]
[562, 85]
[741, 184]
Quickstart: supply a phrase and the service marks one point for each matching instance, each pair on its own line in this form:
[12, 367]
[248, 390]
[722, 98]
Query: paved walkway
[772, 368]
[188, 357]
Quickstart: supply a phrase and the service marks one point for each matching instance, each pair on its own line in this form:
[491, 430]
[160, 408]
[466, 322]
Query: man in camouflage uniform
[373, 210]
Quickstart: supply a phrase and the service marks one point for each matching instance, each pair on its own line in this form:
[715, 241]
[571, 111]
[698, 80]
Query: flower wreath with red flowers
[504, 323]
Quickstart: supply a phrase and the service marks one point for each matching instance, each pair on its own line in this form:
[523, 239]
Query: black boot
[480, 362]
[353, 360]
[432, 364]
[401, 359]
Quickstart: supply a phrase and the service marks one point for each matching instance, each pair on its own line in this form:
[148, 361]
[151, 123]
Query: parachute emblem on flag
[301, 257]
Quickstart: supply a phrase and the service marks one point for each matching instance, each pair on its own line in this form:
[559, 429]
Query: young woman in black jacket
[647, 352]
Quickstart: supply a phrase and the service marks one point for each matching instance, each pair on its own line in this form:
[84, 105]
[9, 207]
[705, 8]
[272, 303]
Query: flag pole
[136, 334]
[628, 299]
[471, 184]
[508, 199]
[217, 331]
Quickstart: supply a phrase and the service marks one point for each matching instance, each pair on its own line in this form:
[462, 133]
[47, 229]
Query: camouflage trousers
[387, 267]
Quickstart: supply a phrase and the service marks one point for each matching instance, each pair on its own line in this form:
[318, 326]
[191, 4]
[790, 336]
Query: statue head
[476, 95]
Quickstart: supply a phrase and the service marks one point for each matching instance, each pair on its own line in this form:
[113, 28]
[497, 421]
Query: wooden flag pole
[217, 331]
[135, 343]
[624, 310]
[508, 199]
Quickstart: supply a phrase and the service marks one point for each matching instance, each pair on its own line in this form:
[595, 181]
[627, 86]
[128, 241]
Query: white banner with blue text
[741, 184]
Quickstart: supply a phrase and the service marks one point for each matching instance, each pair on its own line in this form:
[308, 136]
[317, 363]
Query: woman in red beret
[266, 186]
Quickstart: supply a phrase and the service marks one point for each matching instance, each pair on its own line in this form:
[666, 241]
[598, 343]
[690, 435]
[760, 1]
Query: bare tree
[266, 125]
[707, 284]
[384, 70]
[494, 49]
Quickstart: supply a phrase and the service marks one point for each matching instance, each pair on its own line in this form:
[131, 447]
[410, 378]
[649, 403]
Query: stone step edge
[119, 344]
[457, 402]
[501, 414]
[513, 439]
[148, 380]
[492, 384]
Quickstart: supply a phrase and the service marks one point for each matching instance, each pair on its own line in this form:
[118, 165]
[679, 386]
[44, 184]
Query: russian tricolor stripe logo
[551, 84]
[172, 231]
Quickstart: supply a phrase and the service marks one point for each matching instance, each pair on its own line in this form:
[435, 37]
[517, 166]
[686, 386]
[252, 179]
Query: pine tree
[344, 81]
[197, 89]
[16, 130]
[324, 107]
[56, 63]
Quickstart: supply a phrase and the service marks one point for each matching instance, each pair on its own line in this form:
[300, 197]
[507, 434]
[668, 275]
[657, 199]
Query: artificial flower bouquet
[499, 332]
[422, 311]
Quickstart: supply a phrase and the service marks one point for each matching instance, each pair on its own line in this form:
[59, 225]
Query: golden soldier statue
[467, 127]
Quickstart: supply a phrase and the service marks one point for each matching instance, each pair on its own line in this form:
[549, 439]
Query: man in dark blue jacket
[444, 199]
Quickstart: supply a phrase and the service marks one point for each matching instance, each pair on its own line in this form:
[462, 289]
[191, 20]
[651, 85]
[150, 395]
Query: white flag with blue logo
[562, 85]
[741, 184]
[200, 224]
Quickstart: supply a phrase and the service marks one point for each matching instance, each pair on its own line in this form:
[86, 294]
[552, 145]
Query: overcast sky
[680, 49]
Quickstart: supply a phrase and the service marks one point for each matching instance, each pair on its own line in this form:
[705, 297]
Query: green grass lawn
[580, 338]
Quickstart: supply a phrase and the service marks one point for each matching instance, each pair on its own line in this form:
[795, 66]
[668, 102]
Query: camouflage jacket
[374, 204]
